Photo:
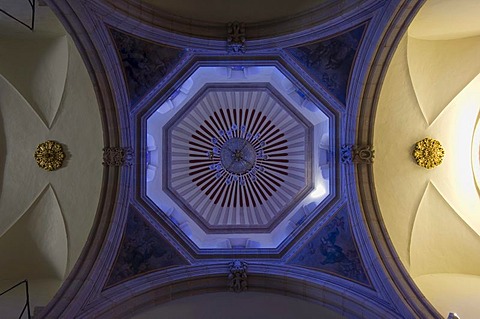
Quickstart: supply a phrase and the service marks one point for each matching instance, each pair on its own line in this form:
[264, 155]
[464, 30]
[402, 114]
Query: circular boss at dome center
[238, 155]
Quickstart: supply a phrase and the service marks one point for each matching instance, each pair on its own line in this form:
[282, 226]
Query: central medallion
[238, 156]
[237, 153]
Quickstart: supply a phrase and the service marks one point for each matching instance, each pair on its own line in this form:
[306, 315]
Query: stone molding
[144, 292]
[259, 30]
[361, 183]
[117, 156]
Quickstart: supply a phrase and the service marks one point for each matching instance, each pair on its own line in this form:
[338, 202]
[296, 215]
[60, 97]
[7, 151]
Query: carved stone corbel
[117, 156]
[236, 38]
[238, 276]
[358, 154]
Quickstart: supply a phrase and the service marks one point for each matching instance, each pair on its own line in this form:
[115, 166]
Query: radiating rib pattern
[238, 158]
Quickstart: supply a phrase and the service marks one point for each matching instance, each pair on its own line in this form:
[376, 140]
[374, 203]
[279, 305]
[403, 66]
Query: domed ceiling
[238, 161]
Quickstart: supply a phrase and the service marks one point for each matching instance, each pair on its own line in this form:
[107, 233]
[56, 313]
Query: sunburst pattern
[240, 157]
[235, 165]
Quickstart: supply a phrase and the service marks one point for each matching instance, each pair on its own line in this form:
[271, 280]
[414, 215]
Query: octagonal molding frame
[193, 84]
[161, 95]
[238, 87]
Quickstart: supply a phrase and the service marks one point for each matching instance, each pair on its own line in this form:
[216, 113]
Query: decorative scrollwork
[117, 156]
[238, 276]
[358, 154]
[236, 37]
[428, 153]
[49, 155]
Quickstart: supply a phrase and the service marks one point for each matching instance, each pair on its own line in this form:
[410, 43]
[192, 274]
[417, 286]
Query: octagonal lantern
[239, 157]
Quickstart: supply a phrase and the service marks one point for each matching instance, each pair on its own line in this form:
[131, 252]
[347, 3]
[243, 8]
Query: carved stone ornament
[236, 37]
[238, 276]
[358, 154]
[428, 153]
[117, 156]
[49, 155]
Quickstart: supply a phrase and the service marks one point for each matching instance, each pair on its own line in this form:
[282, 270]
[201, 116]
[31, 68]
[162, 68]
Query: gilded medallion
[428, 153]
[49, 155]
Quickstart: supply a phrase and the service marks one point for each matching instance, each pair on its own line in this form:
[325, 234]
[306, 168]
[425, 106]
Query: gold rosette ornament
[428, 153]
[49, 155]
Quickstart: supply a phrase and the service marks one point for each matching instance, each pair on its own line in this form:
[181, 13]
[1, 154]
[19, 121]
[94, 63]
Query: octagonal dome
[237, 156]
